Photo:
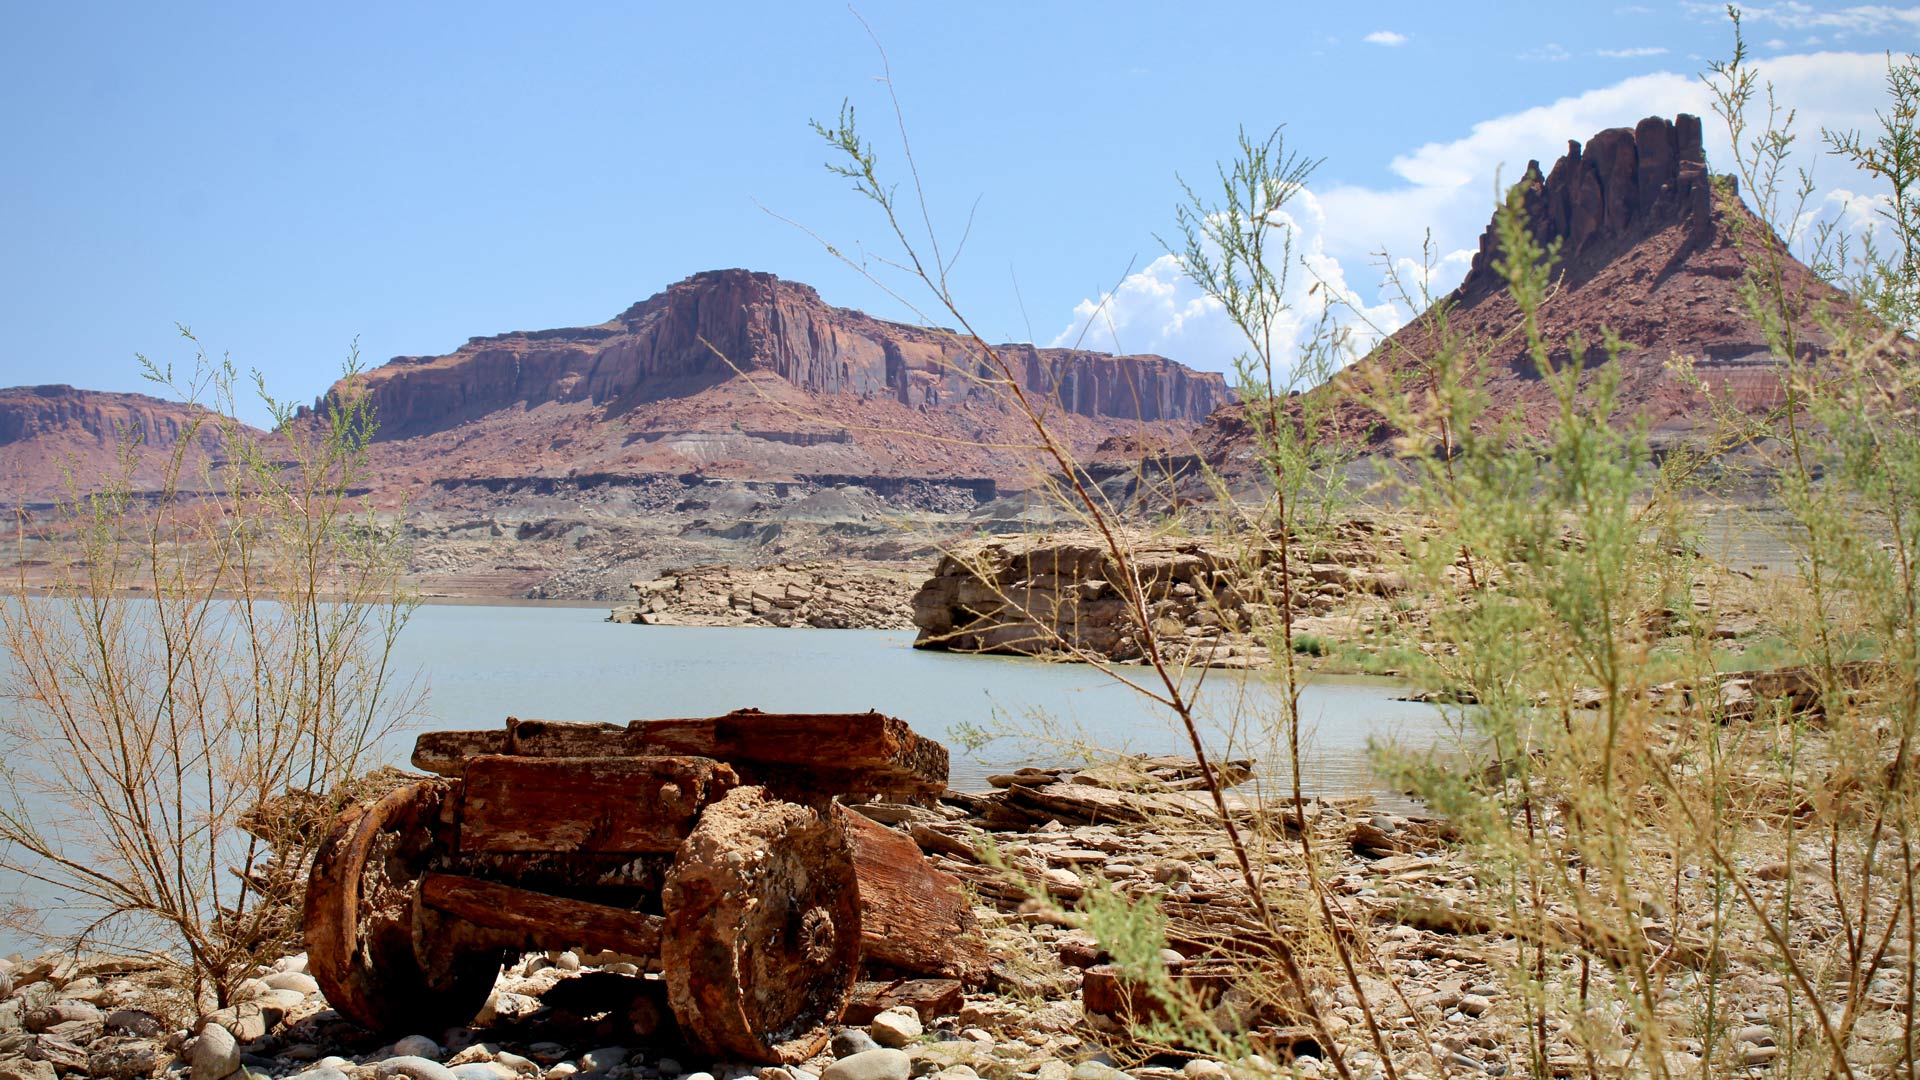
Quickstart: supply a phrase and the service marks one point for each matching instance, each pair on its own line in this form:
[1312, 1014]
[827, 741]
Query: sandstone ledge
[823, 595]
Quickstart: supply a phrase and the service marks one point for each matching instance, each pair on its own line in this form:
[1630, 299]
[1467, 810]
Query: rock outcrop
[825, 595]
[1600, 200]
[48, 432]
[741, 374]
[1064, 596]
[716, 325]
[1652, 248]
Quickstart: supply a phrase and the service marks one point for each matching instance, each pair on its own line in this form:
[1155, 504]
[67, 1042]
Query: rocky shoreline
[838, 596]
[1051, 1007]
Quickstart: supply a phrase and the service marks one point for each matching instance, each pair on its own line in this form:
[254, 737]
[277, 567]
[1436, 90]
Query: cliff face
[716, 326]
[1649, 251]
[37, 412]
[48, 432]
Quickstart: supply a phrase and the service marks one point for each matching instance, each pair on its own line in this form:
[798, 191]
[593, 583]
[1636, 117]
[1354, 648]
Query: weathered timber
[1106, 992]
[843, 753]
[525, 920]
[931, 998]
[762, 940]
[913, 917]
[763, 902]
[601, 804]
[365, 938]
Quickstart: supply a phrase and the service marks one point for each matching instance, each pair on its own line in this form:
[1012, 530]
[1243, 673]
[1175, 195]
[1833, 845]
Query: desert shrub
[216, 654]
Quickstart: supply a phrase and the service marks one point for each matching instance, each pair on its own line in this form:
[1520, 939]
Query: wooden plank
[447, 752]
[528, 920]
[600, 804]
[913, 917]
[1106, 992]
[850, 753]
[931, 998]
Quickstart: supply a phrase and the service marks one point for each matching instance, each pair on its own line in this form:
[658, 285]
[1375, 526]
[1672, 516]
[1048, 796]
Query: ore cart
[708, 850]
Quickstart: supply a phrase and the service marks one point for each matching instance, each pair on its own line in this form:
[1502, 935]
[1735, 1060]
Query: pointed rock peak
[1600, 199]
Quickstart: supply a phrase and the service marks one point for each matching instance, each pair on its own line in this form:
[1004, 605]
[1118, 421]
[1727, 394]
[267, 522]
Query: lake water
[481, 664]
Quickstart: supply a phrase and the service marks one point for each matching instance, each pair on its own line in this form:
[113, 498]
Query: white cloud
[1872, 19]
[1159, 310]
[1445, 193]
[1385, 37]
[1550, 53]
[1633, 53]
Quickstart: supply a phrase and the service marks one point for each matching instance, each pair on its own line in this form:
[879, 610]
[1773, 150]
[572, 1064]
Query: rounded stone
[882, 1064]
[413, 1067]
[1094, 1070]
[850, 1041]
[298, 981]
[417, 1046]
[215, 1054]
[896, 1027]
[319, 1072]
[482, 1070]
[604, 1058]
[136, 1022]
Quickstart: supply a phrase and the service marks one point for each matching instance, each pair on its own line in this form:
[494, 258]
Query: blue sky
[285, 181]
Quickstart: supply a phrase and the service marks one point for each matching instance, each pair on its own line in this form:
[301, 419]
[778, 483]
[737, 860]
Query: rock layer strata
[824, 595]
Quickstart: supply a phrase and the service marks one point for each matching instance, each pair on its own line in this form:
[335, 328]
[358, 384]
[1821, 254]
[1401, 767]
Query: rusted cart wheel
[380, 958]
[762, 938]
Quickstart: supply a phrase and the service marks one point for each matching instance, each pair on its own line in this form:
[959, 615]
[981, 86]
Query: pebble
[567, 961]
[1203, 1069]
[565, 1068]
[515, 1062]
[216, 1054]
[6, 985]
[896, 1027]
[1757, 1034]
[297, 981]
[417, 1046]
[1094, 1070]
[548, 1053]
[850, 1041]
[698, 1076]
[1759, 1055]
[882, 1064]
[603, 1059]
[135, 1022]
[482, 1070]
[320, 1072]
[1474, 1004]
[125, 1059]
[1062, 878]
[413, 1067]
